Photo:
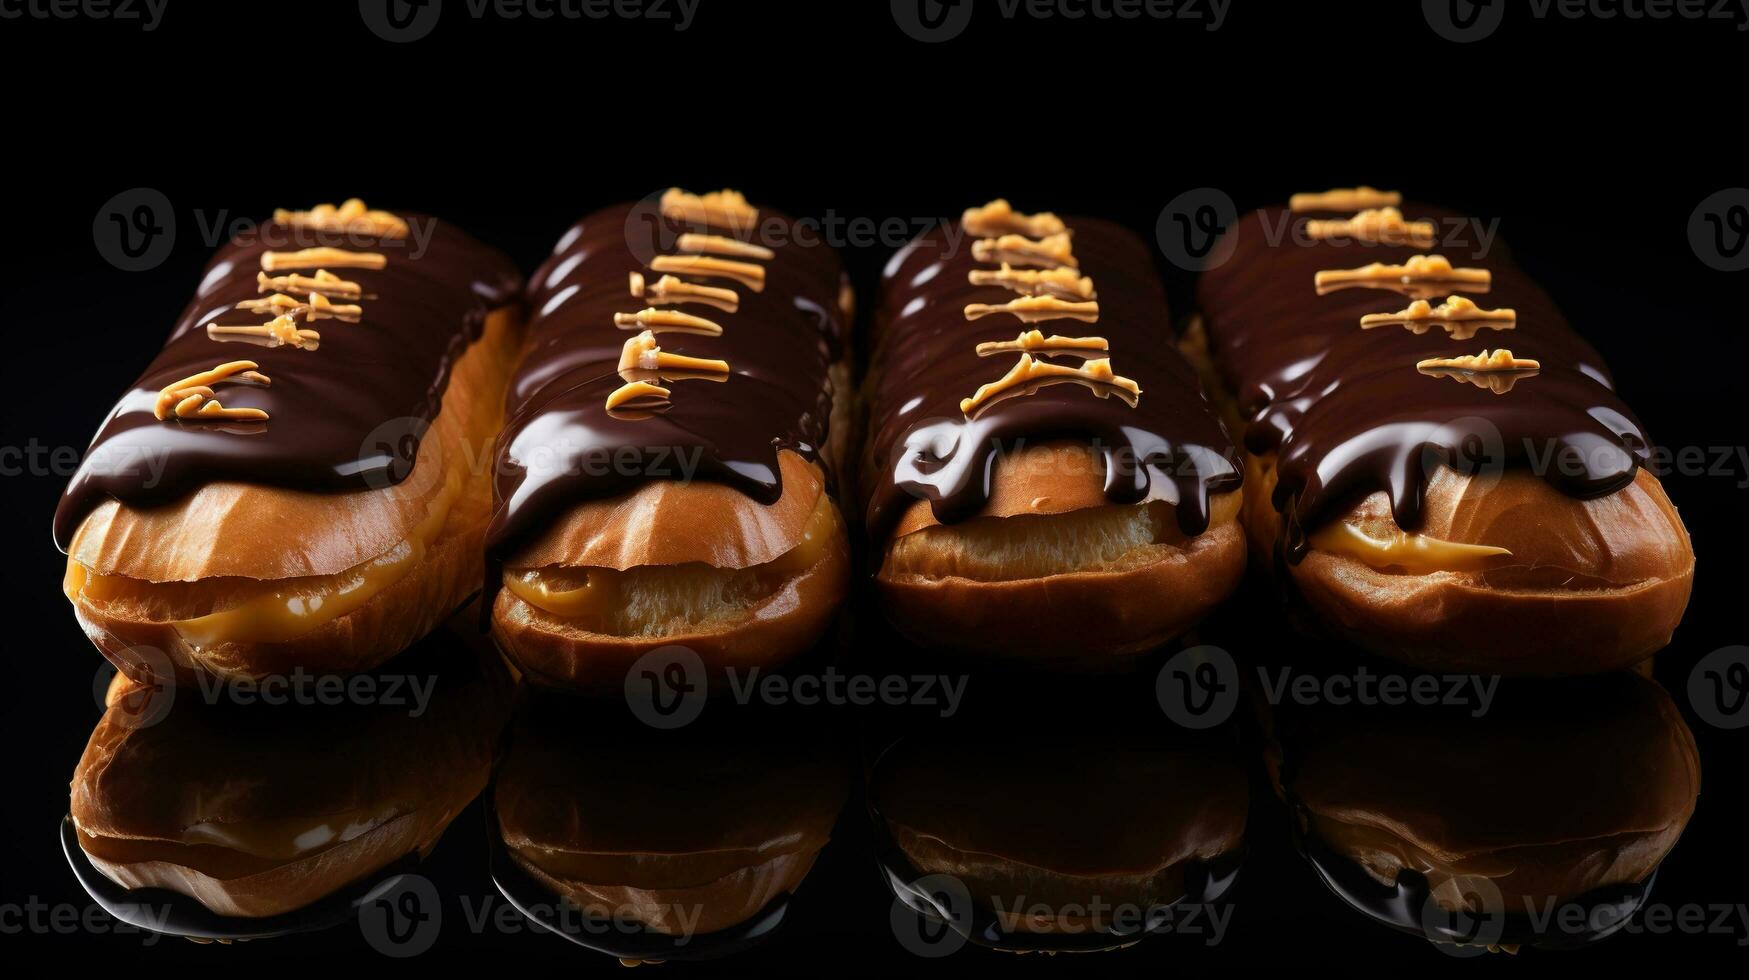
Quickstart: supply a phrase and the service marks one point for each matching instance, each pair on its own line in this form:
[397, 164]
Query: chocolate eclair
[1431, 446]
[1540, 821]
[692, 842]
[666, 474]
[294, 482]
[1044, 479]
[255, 811]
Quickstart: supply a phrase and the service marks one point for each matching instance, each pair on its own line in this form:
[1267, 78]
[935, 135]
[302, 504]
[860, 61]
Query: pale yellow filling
[278, 614]
[1417, 554]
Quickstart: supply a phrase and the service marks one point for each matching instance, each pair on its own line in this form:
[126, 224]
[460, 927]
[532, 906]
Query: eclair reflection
[1088, 840]
[1540, 822]
[221, 819]
[653, 845]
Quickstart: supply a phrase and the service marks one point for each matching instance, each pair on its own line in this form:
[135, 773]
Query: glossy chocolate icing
[561, 445]
[344, 416]
[1348, 412]
[1171, 446]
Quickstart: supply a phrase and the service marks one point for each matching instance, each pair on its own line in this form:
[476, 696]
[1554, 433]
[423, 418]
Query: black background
[1593, 140]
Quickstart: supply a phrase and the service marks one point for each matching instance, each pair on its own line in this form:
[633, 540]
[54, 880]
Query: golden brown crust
[254, 533]
[1512, 798]
[723, 527]
[738, 821]
[1050, 572]
[230, 816]
[699, 526]
[1591, 586]
[553, 651]
[1063, 828]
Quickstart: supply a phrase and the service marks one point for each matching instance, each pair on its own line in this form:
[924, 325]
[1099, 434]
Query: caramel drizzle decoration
[1345, 199]
[318, 307]
[192, 398]
[327, 282]
[1460, 317]
[276, 332]
[667, 321]
[1431, 270]
[676, 292]
[643, 364]
[351, 216]
[1029, 375]
[718, 209]
[316, 258]
[1496, 371]
[1062, 283]
[1037, 309]
[1056, 292]
[719, 245]
[1050, 252]
[746, 273]
[1034, 342]
[1385, 226]
[999, 218]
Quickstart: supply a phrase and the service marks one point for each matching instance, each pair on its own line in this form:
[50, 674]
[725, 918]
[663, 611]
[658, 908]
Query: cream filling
[281, 614]
[1417, 554]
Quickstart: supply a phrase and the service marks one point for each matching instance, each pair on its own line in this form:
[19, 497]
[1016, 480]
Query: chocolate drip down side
[562, 445]
[1170, 446]
[1348, 412]
[344, 416]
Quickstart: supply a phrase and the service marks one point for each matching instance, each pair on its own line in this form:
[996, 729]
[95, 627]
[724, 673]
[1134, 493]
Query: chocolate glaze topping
[344, 416]
[561, 445]
[1171, 446]
[1348, 412]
